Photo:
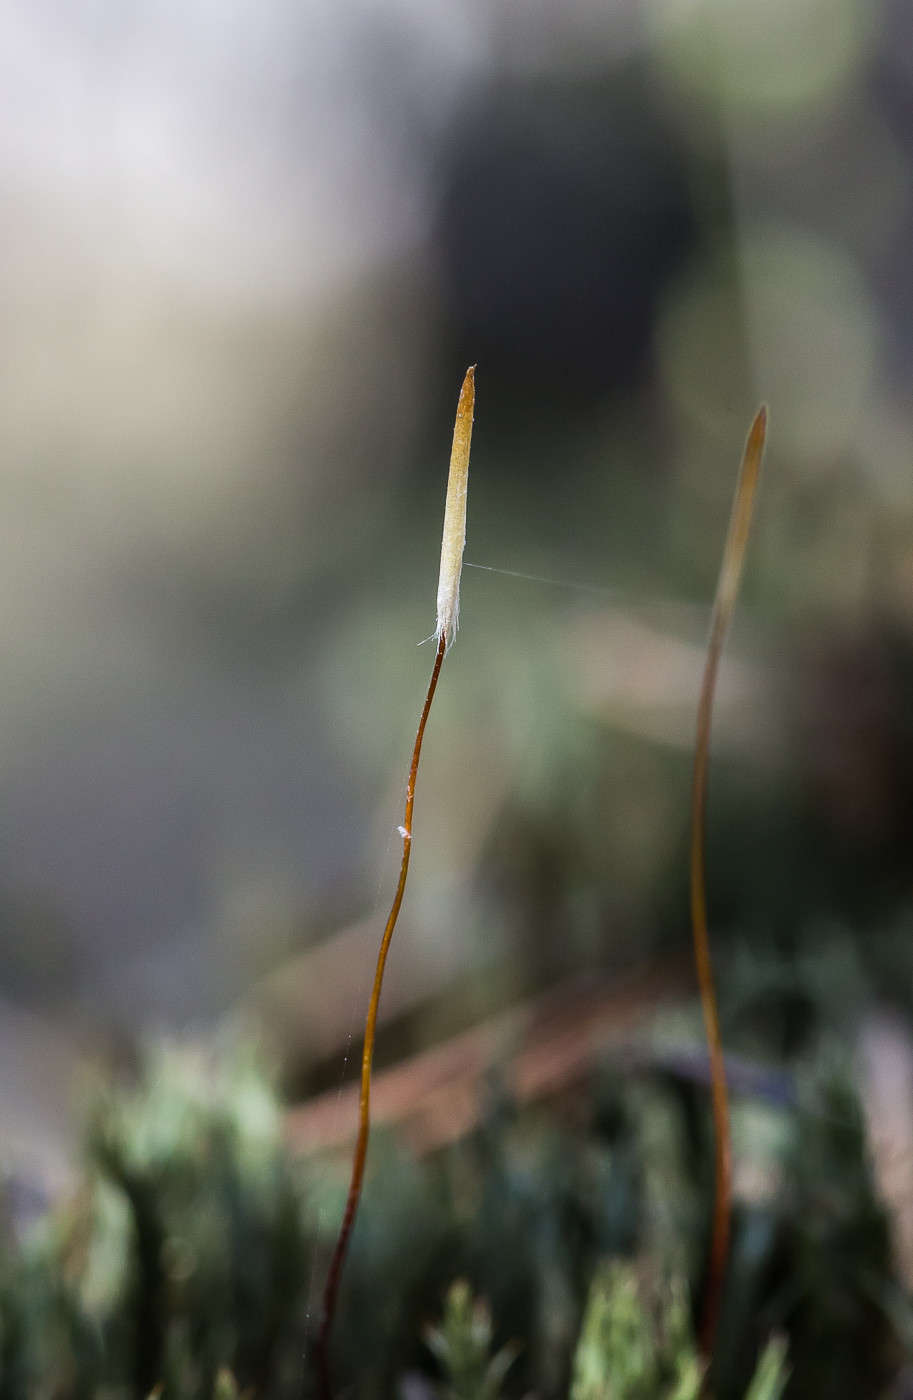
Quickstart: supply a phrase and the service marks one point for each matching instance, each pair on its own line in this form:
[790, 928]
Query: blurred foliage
[629, 1350]
[636, 1343]
[189, 1262]
[179, 1263]
[462, 1348]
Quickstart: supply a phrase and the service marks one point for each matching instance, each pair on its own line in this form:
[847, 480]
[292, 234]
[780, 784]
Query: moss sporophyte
[723, 607]
[448, 610]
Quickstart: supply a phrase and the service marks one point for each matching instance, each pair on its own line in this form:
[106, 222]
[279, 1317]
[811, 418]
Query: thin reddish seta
[448, 612]
[723, 607]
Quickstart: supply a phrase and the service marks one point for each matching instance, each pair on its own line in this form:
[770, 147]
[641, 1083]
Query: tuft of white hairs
[453, 541]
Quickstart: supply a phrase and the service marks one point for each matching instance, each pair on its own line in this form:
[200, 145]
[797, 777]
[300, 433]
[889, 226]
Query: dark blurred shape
[39, 963]
[859, 749]
[832, 838]
[774, 1085]
[564, 210]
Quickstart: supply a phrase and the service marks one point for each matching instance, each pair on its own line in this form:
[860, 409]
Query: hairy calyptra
[453, 541]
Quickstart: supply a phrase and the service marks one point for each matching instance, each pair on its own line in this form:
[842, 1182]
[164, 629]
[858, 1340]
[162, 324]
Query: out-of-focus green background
[246, 253]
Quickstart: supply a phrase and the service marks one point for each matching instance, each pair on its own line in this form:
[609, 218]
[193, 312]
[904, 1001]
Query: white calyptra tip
[454, 538]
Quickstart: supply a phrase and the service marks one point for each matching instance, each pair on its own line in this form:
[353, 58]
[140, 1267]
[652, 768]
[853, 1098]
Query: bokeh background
[246, 253]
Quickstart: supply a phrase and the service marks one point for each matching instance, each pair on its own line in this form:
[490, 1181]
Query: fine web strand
[615, 595]
[620, 594]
